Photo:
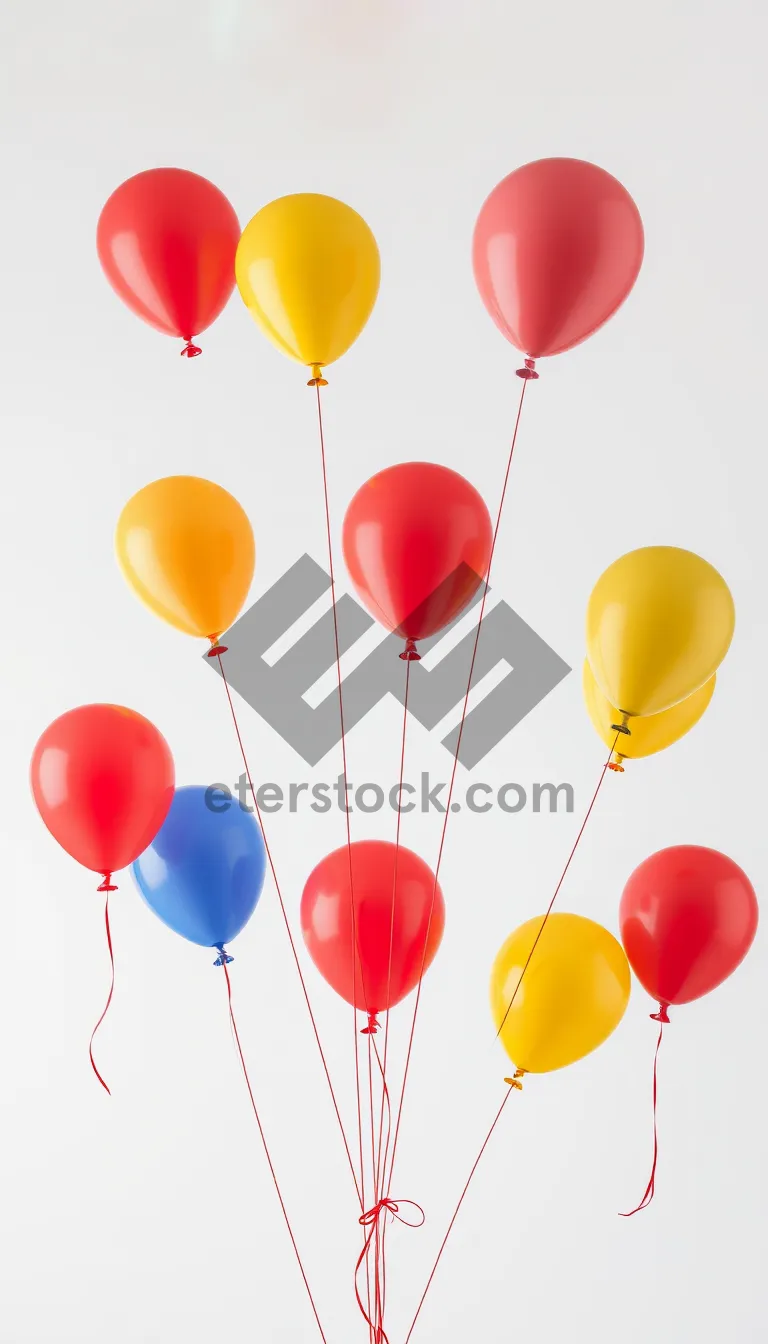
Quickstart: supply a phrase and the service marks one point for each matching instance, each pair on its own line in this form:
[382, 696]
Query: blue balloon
[203, 873]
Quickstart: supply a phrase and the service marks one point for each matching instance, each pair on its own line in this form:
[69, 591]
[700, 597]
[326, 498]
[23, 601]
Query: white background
[150, 1217]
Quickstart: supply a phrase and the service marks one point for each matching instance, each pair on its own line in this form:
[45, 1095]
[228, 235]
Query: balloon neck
[662, 1015]
[616, 762]
[107, 884]
[514, 1081]
[528, 370]
[216, 648]
[317, 379]
[223, 959]
[410, 653]
[190, 350]
[372, 1027]
[622, 727]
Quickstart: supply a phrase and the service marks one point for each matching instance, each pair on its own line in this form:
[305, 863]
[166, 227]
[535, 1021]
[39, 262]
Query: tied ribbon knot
[370, 1219]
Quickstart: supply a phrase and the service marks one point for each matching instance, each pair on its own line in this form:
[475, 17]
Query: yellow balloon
[647, 735]
[307, 267]
[186, 548]
[574, 993]
[659, 623]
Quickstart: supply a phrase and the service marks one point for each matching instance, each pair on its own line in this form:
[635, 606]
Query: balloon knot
[410, 653]
[107, 883]
[223, 959]
[621, 727]
[617, 763]
[317, 379]
[529, 371]
[662, 1015]
[216, 648]
[514, 1081]
[190, 350]
[373, 1025]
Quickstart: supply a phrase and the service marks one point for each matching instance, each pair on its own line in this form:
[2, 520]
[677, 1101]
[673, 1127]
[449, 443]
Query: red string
[370, 1220]
[288, 930]
[468, 1182]
[107, 887]
[556, 893]
[650, 1190]
[316, 382]
[453, 775]
[266, 1149]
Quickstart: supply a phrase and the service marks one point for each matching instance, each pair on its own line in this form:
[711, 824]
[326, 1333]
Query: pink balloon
[557, 247]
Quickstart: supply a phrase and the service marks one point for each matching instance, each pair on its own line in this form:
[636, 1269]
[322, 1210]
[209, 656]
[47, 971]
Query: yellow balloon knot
[514, 1081]
[622, 727]
[317, 379]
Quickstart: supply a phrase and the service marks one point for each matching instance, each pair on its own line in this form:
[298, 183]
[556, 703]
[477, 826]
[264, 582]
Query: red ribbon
[650, 1190]
[370, 1219]
[107, 887]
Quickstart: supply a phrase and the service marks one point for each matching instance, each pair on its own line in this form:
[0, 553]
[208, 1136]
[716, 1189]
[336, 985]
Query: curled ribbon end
[190, 350]
[317, 379]
[410, 653]
[528, 371]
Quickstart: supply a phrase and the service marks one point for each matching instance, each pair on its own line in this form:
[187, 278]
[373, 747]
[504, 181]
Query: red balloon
[417, 543]
[385, 913]
[688, 916]
[102, 778]
[166, 241]
[557, 247]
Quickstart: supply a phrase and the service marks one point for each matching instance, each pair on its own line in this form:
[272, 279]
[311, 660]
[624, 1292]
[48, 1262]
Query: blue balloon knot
[223, 958]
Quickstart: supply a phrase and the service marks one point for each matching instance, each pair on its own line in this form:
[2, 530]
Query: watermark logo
[277, 690]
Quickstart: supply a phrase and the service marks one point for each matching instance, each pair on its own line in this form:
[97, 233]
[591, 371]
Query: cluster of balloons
[557, 248]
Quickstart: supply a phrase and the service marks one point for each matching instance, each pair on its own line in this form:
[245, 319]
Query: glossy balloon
[204, 871]
[574, 993]
[659, 623]
[167, 240]
[648, 735]
[688, 917]
[102, 778]
[186, 548]
[417, 543]
[308, 271]
[557, 247]
[386, 912]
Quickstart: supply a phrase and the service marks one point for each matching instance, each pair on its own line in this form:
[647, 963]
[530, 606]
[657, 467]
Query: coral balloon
[688, 917]
[417, 543]
[648, 735]
[574, 994]
[186, 548]
[399, 916]
[557, 247]
[166, 241]
[203, 873]
[659, 623]
[102, 778]
[308, 271]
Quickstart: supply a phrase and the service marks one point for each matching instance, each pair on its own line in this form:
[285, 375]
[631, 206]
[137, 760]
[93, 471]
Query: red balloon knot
[616, 765]
[529, 370]
[373, 1025]
[662, 1015]
[190, 350]
[410, 653]
[107, 883]
[216, 648]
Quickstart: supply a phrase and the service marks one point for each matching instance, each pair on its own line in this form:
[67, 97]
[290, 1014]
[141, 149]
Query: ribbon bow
[370, 1219]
